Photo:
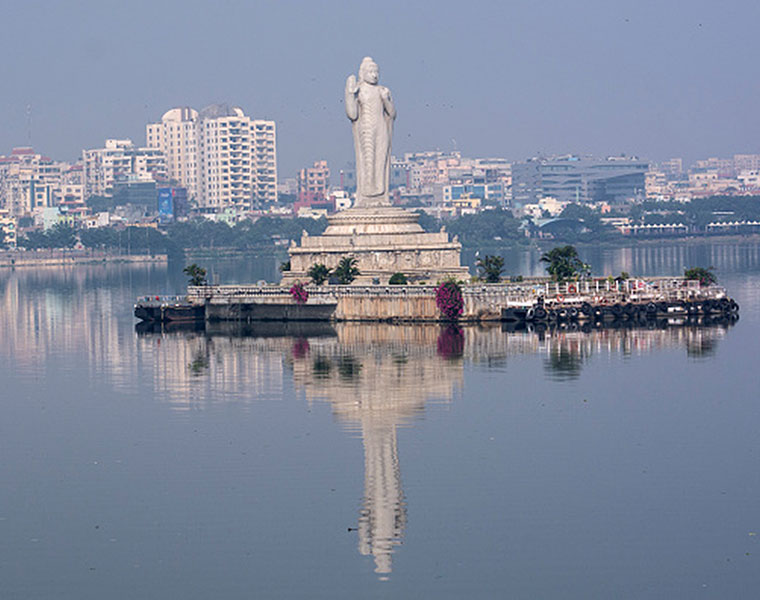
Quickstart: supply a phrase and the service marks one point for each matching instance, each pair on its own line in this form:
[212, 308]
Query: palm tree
[563, 263]
[490, 268]
[196, 274]
[346, 271]
[318, 273]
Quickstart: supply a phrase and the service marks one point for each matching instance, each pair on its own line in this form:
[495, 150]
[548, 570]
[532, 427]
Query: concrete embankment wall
[343, 303]
[55, 258]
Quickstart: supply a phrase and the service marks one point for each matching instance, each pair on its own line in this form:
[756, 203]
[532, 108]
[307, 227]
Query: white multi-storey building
[120, 159]
[264, 161]
[222, 156]
[177, 137]
[28, 181]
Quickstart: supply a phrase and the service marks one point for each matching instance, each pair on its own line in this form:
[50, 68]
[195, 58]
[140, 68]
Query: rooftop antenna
[29, 123]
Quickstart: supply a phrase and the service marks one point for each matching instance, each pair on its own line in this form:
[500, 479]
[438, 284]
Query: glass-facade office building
[581, 180]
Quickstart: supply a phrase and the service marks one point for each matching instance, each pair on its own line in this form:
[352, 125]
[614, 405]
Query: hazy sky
[512, 79]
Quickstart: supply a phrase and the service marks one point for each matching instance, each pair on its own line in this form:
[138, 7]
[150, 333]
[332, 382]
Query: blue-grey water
[369, 461]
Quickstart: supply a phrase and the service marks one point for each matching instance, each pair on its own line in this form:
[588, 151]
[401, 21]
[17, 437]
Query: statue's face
[371, 73]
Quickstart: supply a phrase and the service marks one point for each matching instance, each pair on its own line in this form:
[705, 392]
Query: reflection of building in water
[378, 377]
[55, 313]
[192, 369]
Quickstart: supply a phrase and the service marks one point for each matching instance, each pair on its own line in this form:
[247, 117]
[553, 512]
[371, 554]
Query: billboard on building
[165, 204]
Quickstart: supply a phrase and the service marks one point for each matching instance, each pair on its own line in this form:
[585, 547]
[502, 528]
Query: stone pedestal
[384, 240]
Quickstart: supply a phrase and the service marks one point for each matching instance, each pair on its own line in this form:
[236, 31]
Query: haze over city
[379, 299]
[652, 79]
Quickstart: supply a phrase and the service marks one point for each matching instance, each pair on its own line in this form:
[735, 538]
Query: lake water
[369, 461]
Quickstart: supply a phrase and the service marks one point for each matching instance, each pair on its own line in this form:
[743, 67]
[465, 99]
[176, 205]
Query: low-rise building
[314, 182]
[750, 179]
[118, 160]
[29, 181]
[9, 230]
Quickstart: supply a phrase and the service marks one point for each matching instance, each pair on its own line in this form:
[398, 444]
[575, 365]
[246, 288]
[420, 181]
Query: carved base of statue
[384, 240]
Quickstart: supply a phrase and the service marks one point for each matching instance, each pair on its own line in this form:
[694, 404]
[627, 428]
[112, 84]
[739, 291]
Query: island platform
[533, 300]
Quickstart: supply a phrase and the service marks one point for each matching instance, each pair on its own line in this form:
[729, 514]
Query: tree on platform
[563, 263]
[398, 279]
[318, 273]
[346, 271]
[490, 268]
[704, 276]
[196, 274]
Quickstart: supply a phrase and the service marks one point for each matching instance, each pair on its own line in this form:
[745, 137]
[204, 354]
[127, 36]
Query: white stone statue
[370, 108]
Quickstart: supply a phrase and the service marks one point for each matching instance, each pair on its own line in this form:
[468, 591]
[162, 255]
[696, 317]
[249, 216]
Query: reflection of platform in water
[567, 347]
[263, 329]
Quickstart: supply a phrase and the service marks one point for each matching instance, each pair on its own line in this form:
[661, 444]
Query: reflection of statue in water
[378, 378]
[370, 108]
[383, 515]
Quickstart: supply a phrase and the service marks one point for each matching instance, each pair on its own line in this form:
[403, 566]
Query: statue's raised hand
[352, 86]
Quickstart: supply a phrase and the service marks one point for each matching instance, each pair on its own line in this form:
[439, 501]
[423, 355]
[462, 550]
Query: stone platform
[384, 240]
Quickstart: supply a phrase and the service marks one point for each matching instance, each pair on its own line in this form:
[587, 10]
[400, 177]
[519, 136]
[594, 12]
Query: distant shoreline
[694, 239]
[626, 242]
[36, 258]
[58, 258]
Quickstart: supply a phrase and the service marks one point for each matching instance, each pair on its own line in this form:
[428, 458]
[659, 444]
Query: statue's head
[368, 71]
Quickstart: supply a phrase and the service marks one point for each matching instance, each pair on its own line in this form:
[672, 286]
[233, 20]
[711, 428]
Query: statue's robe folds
[372, 130]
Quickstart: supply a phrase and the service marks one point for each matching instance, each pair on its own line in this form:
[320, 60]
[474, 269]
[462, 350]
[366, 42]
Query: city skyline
[648, 80]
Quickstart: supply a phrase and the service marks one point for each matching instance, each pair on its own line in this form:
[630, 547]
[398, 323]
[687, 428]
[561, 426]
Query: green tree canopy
[563, 263]
[705, 276]
[346, 271]
[490, 268]
[196, 274]
[59, 235]
[318, 273]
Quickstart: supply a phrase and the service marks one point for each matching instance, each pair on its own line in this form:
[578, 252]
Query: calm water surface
[375, 461]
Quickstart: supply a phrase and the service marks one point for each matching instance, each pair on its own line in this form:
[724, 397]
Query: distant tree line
[488, 229]
[700, 211]
[265, 231]
[129, 239]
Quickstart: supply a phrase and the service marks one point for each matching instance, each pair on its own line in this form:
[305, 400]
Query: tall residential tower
[222, 156]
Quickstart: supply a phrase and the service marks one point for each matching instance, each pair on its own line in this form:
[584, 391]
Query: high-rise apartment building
[176, 135]
[264, 162]
[222, 156]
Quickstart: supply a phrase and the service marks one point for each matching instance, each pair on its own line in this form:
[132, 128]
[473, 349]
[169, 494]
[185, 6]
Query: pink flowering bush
[299, 293]
[448, 299]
